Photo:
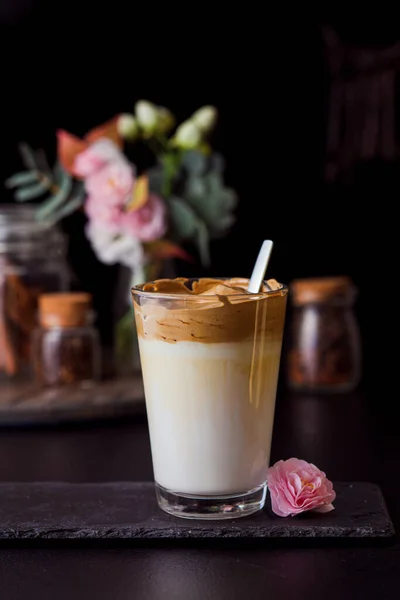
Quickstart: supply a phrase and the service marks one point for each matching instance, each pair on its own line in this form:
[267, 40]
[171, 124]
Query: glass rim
[136, 289]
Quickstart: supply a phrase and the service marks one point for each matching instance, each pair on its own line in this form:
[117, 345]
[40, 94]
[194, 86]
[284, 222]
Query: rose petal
[325, 508]
[295, 464]
[279, 504]
[291, 487]
[309, 503]
[68, 148]
[290, 498]
[148, 223]
[296, 482]
[273, 471]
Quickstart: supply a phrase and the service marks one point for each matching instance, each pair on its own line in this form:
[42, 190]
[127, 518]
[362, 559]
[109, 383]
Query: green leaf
[226, 198]
[215, 182]
[183, 217]
[42, 163]
[194, 162]
[171, 164]
[203, 243]
[59, 173]
[67, 209]
[28, 156]
[171, 160]
[51, 205]
[188, 225]
[31, 191]
[212, 201]
[21, 178]
[156, 179]
[196, 188]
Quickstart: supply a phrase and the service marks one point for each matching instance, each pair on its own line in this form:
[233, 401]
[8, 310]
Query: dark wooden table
[352, 437]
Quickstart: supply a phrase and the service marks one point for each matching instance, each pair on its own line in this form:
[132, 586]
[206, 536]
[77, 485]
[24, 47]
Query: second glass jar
[324, 339]
[66, 347]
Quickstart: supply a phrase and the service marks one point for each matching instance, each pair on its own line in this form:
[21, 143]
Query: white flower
[127, 126]
[113, 248]
[187, 136]
[205, 118]
[146, 115]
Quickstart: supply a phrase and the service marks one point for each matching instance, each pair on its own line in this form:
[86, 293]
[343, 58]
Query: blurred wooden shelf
[25, 404]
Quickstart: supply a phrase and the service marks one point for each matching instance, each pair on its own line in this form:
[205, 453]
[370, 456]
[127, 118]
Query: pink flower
[97, 156]
[112, 247]
[114, 183]
[108, 191]
[297, 486]
[101, 212]
[147, 223]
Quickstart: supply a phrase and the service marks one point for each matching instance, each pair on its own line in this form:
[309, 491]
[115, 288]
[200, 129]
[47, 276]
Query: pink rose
[97, 156]
[101, 212]
[114, 182]
[147, 223]
[296, 486]
[108, 190]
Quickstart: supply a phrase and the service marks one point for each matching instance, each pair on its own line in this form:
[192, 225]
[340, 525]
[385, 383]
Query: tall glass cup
[210, 365]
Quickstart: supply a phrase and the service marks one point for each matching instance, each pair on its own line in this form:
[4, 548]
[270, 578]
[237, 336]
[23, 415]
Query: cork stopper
[321, 289]
[64, 310]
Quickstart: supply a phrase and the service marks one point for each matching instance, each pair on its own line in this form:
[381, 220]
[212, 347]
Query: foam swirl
[208, 310]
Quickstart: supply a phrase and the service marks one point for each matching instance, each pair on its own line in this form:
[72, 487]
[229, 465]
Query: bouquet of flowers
[146, 186]
[137, 217]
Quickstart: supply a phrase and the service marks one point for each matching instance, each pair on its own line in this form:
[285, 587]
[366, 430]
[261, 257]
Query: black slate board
[124, 510]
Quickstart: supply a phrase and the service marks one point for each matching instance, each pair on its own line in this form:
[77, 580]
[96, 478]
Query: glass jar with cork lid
[324, 349]
[66, 346]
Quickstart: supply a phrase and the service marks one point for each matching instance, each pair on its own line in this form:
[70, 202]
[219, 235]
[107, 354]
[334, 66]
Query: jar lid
[321, 289]
[64, 310]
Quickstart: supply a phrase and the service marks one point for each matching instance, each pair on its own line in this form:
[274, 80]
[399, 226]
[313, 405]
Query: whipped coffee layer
[208, 310]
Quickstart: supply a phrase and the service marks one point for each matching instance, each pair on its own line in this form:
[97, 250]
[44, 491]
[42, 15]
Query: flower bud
[205, 118]
[146, 115]
[127, 126]
[187, 136]
[166, 120]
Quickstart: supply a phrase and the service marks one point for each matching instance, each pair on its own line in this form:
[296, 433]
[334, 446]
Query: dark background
[73, 65]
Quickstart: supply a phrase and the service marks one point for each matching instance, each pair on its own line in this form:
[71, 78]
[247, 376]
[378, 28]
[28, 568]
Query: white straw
[260, 267]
